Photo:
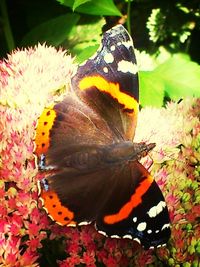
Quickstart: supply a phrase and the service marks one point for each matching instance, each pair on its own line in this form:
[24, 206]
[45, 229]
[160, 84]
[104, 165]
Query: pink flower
[11, 259]
[102, 254]
[110, 244]
[110, 261]
[88, 259]
[86, 237]
[29, 258]
[34, 244]
[72, 261]
[73, 248]
[33, 229]
[144, 258]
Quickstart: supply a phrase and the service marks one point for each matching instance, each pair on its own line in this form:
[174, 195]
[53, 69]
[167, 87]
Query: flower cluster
[176, 168]
[34, 78]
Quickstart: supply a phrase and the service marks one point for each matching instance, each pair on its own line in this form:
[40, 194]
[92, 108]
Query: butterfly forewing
[108, 82]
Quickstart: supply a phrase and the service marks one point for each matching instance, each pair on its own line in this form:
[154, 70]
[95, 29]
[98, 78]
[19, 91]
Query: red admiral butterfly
[94, 173]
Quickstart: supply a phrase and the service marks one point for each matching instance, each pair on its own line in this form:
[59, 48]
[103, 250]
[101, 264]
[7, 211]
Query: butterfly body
[99, 156]
[92, 165]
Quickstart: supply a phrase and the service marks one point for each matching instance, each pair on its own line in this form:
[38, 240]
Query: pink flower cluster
[176, 169]
[85, 246]
[34, 78]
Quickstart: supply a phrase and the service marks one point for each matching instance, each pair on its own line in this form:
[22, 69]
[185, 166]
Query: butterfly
[84, 143]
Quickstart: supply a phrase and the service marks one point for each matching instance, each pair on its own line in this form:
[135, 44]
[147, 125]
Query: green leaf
[151, 89]
[53, 31]
[85, 38]
[78, 3]
[94, 7]
[181, 77]
[86, 53]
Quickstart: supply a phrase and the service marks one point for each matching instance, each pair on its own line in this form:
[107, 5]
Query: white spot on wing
[115, 236]
[128, 44]
[51, 216]
[137, 240]
[167, 225]
[71, 224]
[102, 233]
[105, 69]
[39, 188]
[112, 48]
[154, 211]
[108, 58]
[128, 236]
[149, 231]
[84, 223]
[127, 66]
[141, 226]
[135, 219]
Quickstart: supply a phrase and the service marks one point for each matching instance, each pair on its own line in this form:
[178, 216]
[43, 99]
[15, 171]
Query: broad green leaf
[53, 32]
[181, 77]
[94, 7]
[85, 36]
[78, 3]
[151, 89]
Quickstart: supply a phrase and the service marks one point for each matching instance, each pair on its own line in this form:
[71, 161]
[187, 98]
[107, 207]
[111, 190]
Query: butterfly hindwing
[143, 216]
[118, 203]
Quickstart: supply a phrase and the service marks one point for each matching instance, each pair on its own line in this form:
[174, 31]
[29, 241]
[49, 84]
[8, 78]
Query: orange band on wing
[45, 123]
[62, 215]
[111, 88]
[135, 200]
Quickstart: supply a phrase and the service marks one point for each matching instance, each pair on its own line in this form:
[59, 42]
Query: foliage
[176, 78]
[76, 25]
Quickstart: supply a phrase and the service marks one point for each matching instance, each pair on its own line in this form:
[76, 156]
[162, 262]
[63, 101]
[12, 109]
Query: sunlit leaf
[86, 53]
[151, 89]
[78, 3]
[181, 77]
[94, 7]
[85, 37]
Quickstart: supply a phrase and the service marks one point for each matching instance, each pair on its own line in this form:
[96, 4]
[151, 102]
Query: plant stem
[7, 29]
[128, 22]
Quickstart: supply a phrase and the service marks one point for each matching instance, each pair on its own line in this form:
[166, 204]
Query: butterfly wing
[123, 200]
[69, 123]
[136, 212]
[108, 82]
